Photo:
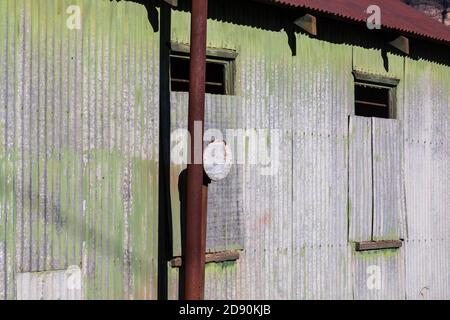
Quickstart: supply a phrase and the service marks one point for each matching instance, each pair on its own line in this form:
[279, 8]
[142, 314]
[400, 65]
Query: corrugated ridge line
[320, 134]
[320, 142]
[369, 266]
[427, 182]
[7, 118]
[3, 148]
[360, 192]
[64, 79]
[222, 113]
[387, 158]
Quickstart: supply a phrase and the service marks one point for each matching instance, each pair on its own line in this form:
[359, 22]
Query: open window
[220, 70]
[375, 96]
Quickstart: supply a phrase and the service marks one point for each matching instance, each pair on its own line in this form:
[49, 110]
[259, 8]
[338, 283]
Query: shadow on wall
[159, 16]
[280, 19]
[265, 17]
[182, 183]
[73, 234]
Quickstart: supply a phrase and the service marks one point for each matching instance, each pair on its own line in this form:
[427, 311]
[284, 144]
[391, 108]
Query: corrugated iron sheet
[79, 145]
[296, 224]
[321, 94]
[51, 285]
[360, 192]
[379, 275]
[395, 15]
[225, 198]
[78, 159]
[427, 168]
[388, 181]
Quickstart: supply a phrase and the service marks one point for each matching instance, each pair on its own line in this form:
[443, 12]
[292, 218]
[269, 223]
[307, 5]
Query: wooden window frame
[377, 81]
[226, 57]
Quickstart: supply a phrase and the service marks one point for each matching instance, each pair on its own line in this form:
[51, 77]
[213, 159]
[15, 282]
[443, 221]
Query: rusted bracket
[173, 3]
[401, 43]
[378, 245]
[216, 257]
[308, 23]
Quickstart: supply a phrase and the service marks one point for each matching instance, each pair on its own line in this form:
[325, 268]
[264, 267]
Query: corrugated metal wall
[427, 166]
[264, 82]
[225, 200]
[79, 158]
[79, 145]
[299, 225]
[295, 221]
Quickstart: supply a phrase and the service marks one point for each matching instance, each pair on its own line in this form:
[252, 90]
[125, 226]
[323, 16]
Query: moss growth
[371, 255]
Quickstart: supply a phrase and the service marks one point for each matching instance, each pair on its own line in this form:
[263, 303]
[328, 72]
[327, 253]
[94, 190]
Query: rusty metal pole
[195, 216]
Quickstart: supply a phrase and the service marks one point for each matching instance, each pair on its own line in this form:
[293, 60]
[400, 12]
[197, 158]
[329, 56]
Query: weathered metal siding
[376, 186]
[427, 166]
[299, 226]
[388, 265]
[376, 198]
[264, 81]
[78, 158]
[295, 221]
[225, 198]
[360, 189]
[50, 285]
[79, 145]
[388, 180]
[321, 99]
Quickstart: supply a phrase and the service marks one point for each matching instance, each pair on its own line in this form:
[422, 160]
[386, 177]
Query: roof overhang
[395, 16]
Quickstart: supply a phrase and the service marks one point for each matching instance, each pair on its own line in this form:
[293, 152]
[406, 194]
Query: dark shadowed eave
[395, 15]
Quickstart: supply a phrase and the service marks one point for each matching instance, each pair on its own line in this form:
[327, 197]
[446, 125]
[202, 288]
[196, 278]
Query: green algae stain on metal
[73, 186]
[144, 225]
[373, 254]
[220, 269]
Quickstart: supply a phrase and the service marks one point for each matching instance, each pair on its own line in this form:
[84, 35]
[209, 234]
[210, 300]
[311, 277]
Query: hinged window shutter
[360, 179]
[376, 194]
[387, 178]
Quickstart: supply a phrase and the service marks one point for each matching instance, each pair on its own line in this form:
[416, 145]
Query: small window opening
[219, 74]
[372, 101]
[375, 95]
[179, 73]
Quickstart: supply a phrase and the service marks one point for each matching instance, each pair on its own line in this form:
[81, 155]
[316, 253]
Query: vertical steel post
[194, 260]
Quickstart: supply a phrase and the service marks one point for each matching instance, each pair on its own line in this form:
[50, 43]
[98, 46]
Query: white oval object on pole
[217, 160]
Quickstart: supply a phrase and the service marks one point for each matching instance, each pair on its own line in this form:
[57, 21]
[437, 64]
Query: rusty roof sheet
[394, 15]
